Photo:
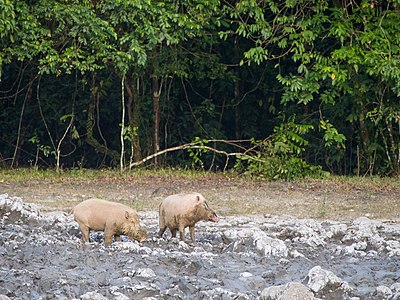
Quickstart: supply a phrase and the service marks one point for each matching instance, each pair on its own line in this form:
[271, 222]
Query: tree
[329, 53]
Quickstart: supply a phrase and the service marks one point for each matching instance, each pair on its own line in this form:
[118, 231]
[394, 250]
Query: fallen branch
[196, 146]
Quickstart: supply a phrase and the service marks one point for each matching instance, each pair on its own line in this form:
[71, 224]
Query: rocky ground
[244, 256]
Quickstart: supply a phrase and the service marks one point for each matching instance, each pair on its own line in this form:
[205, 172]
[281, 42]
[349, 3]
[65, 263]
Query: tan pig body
[179, 211]
[115, 219]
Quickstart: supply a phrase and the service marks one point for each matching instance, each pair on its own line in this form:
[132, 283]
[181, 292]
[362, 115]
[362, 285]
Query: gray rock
[93, 296]
[13, 211]
[289, 291]
[395, 296]
[395, 287]
[264, 244]
[267, 246]
[145, 273]
[383, 292]
[326, 284]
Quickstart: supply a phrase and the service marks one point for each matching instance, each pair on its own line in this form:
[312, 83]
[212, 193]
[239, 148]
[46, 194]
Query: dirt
[333, 200]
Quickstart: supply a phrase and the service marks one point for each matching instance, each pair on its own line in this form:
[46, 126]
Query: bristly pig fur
[115, 219]
[179, 211]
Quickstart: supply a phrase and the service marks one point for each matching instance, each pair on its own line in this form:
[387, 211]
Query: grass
[34, 174]
[371, 183]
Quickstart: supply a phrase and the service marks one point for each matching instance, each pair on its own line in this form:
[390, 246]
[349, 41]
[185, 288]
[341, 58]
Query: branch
[195, 146]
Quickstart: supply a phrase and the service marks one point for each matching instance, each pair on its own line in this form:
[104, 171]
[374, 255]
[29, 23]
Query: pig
[179, 211]
[115, 219]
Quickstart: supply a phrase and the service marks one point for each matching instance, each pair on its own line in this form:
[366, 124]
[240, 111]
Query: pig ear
[126, 215]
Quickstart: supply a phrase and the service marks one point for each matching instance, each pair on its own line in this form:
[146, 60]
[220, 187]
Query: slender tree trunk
[121, 162]
[365, 141]
[156, 87]
[21, 130]
[393, 151]
[236, 100]
[90, 123]
[133, 111]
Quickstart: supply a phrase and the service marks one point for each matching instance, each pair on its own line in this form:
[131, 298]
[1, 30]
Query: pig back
[179, 204]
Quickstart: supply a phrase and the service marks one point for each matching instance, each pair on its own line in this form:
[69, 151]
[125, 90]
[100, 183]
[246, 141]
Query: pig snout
[132, 228]
[214, 217]
[137, 233]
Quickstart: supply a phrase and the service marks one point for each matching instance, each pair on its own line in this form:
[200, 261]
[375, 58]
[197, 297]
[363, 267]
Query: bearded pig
[113, 218]
[177, 212]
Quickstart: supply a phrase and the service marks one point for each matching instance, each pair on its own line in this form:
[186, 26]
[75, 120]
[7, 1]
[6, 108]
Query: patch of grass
[34, 174]
[373, 184]
[171, 172]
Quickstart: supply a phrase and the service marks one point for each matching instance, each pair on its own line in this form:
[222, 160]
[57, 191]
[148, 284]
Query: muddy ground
[338, 241]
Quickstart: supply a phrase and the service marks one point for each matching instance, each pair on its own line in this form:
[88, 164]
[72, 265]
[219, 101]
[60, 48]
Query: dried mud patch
[333, 200]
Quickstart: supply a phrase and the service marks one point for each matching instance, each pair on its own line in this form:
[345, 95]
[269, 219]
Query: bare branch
[196, 146]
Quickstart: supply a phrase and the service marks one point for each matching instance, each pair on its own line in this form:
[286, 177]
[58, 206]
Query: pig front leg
[182, 232]
[173, 232]
[108, 234]
[191, 230]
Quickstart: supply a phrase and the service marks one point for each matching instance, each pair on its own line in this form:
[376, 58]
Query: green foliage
[330, 54]
[226, 70]
[331, 135]
[197, 153]
[279, 157]
[277, 167]
[43, 149]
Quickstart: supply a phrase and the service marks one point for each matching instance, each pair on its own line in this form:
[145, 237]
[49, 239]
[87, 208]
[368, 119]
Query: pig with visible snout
[177, 212]
[115, 219]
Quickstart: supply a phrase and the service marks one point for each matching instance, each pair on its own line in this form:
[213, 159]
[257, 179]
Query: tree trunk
[156, 87]
[236, 100]
[90, 139]
[21, 130]
[393, 151]
[365, 141]
[134, 106]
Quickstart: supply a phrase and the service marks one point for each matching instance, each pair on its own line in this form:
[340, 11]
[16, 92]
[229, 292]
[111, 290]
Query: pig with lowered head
[179, 211]
[115, 219]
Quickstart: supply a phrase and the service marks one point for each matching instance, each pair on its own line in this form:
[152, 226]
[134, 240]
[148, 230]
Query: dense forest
[277, 89]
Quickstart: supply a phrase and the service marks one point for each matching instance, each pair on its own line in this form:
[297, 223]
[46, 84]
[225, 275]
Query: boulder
[14, 211]
[265, 245]
[383, 292]
[289, 291]
[93, 296]
[327, 285]
[365, 230]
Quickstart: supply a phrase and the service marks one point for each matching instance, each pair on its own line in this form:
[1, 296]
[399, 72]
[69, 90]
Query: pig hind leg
[163, 227]
[162, 230]
[85, 232]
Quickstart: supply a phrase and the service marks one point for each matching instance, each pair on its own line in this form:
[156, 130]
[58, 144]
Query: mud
[42, 257]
